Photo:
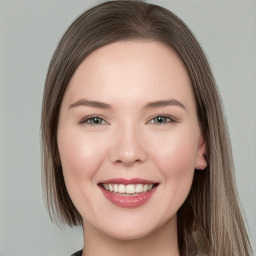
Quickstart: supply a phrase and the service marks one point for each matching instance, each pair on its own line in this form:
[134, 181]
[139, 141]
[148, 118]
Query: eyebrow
[90, 103]
[150, 105]
[165, 103]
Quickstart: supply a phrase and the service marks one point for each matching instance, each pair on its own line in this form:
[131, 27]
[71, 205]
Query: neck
[162, 241]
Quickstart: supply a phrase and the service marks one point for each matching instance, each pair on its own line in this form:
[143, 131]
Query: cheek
[80, 156]
[175, 158]
[177, 153]
[177, 169]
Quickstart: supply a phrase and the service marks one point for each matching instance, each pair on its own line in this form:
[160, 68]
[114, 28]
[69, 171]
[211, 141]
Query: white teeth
[139, 188]
[128, 189]
[121, 188]
[115, 188]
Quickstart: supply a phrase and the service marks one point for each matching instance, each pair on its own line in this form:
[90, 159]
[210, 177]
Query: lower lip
[128, 201]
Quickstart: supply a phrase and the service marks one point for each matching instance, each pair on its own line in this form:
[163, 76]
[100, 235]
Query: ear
[201, 162]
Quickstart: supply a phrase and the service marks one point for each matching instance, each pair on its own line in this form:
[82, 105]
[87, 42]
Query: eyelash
[168, 120]
[87, 120]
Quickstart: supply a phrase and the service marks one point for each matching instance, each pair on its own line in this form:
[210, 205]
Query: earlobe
[201, 162]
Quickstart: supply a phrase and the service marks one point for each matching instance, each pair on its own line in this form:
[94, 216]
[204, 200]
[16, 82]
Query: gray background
[29, 32]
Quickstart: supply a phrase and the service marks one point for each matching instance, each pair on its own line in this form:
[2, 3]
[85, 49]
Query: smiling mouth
[129, 189]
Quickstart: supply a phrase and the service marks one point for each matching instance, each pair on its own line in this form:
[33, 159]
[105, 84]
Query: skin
[128, 142]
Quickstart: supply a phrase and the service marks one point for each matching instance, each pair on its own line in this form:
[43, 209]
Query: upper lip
[127, 181]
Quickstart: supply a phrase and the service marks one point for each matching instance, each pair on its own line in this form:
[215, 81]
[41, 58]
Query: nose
[128, 147]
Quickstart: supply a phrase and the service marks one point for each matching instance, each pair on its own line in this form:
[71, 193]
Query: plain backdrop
[29, 33]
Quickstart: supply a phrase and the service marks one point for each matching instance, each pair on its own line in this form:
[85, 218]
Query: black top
[79, 253]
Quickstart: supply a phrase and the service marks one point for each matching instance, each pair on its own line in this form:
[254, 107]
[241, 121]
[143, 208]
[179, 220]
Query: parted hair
[210, 220]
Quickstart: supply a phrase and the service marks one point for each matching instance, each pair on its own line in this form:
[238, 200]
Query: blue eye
[94, 120]
[161, 120]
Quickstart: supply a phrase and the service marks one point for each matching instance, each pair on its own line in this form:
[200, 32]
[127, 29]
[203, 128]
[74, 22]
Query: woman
[135, 146]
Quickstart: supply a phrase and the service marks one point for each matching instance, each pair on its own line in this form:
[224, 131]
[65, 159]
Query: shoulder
[79, 253]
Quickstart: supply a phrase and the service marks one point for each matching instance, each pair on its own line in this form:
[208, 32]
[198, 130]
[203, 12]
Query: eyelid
[172, 119]
[86, 118]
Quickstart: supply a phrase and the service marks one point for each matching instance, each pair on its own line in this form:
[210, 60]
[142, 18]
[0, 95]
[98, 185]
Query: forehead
[131, 70]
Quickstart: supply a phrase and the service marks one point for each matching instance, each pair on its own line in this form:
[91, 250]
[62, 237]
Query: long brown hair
[210, 220]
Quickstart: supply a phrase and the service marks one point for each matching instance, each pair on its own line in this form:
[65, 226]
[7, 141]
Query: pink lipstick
[126, 193]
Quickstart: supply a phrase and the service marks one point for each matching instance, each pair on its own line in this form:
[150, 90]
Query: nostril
[127, 150]
[128, 161]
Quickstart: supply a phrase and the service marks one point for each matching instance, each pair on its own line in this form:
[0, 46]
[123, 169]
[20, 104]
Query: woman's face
[129, 138]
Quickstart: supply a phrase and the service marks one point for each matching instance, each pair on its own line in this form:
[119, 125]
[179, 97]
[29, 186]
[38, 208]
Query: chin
[128, 234]
[129, 229]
